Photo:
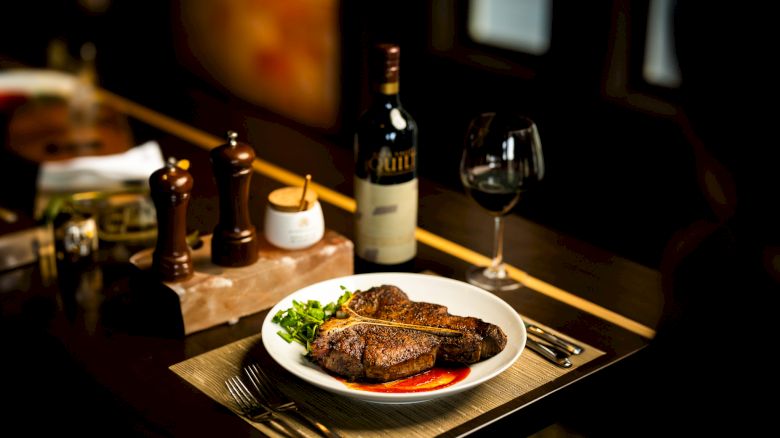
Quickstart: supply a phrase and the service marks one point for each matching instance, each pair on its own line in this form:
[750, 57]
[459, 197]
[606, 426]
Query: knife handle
[555, 340]
[548, 353]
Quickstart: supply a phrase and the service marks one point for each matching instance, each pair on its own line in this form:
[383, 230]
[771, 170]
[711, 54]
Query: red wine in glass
[502, 158]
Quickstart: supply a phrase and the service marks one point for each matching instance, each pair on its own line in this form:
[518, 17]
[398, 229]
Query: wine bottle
[385, 172]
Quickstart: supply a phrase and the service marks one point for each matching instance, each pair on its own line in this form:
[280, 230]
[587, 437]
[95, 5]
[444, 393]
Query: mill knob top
[233, 153]
[171, 179]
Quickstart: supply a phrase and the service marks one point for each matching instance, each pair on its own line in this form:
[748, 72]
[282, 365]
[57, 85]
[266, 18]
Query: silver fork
[278, 402]
[256, 411]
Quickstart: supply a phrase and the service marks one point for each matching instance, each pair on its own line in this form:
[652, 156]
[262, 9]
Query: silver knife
[555, 340]
[557, 357]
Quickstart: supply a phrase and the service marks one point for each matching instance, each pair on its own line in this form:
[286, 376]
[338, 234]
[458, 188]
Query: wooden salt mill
[171, 187]
[234, 242]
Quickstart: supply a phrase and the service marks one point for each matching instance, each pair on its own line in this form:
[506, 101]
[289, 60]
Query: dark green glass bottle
[385, 173]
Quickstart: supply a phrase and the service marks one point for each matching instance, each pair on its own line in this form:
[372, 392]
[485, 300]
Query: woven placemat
[350, 417]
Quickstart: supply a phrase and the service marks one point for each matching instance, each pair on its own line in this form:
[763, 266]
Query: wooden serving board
[216, 294]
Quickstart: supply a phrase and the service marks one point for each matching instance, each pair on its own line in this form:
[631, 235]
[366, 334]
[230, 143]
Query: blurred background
[626, 165]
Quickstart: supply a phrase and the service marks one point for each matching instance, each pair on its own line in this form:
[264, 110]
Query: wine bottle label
[385, 221]
[387, 164]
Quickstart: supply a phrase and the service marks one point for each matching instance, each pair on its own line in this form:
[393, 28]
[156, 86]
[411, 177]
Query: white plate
[459, 297]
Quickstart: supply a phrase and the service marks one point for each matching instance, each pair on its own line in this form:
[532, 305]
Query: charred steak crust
[378, 353]
[375, 353]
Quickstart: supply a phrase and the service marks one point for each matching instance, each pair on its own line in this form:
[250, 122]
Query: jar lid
[289, 199]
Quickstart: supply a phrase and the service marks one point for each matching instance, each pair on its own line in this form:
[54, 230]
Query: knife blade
[549, 353]
[554, 340]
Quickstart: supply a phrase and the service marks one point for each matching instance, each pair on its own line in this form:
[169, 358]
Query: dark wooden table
[78, 358]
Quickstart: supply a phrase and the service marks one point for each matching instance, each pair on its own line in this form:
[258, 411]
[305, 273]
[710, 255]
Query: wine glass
[502, 158]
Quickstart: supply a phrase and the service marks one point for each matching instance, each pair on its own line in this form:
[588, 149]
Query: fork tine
[275, 392]
[256, 405]
[236, 395]
[248, 396]
[279, 402]
[262, 386]
[249, 405]
[255, 381]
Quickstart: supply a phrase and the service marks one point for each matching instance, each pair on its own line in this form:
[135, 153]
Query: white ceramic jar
[291, 223]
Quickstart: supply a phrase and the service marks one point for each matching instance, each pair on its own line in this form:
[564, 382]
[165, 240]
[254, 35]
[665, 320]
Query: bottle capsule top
[386, 62]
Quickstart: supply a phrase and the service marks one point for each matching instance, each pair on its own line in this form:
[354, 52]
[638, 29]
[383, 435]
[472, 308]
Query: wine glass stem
[497, 264]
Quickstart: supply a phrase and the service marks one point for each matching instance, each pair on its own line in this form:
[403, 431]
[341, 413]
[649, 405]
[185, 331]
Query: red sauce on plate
[431, 380]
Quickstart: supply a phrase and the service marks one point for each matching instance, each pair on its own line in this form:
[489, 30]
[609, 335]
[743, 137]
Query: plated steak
[360, 350]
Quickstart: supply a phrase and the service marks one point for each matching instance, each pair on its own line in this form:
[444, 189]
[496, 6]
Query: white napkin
[101, 172]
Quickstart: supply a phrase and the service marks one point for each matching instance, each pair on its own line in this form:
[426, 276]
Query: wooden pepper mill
[171, 187]
[234, 242]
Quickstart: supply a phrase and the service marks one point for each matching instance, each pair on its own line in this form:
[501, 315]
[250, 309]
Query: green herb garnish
[301, 321]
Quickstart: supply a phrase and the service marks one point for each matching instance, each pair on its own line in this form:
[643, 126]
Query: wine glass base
[489, 280]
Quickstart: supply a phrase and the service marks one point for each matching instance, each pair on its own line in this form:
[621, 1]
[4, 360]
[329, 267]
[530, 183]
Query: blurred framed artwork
[281, 55]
